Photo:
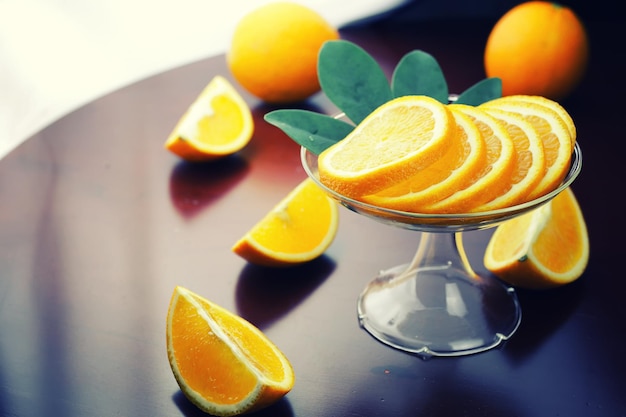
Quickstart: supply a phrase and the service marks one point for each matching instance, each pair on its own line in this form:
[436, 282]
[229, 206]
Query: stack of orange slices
[416, 154]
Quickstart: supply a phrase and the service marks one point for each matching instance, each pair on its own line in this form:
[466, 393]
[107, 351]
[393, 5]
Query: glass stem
[441, 251]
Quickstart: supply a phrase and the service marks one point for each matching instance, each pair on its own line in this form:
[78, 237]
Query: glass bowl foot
[433, 308]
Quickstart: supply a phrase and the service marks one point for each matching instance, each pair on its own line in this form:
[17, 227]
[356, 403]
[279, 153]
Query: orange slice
[529, 161]
[298, 229]
[487, 182]
[554, 134]
[545, 248]
[218, 123]
[552, 105]
[222, 363]
[465, 158]
[394, 142]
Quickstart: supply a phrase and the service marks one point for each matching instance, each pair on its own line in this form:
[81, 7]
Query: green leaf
[419, 73]
[482, 91]
[352, 79]
[314, 131]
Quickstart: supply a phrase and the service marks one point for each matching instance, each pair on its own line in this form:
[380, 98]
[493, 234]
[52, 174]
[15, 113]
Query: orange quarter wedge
[223, 364]
[298, 229]
[529, 161]
[544, 248]
[456, 169]
[555, 137]
[398, 139]
[218, 123]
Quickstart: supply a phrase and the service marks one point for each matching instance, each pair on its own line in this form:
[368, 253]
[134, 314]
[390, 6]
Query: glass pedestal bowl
[436, 305]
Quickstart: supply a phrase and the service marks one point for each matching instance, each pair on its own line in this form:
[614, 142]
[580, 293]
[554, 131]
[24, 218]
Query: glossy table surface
[98, 224]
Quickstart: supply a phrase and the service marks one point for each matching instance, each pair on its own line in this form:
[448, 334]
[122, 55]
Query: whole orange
[274, 49]
[538, 48]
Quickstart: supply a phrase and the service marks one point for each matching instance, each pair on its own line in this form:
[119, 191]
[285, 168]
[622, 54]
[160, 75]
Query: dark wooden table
[98, 223]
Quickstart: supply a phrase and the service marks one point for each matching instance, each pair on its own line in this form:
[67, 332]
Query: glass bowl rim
[573, 172]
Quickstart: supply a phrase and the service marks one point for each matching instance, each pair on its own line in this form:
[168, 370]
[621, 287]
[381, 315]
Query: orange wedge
[298, 229]
[218, 123]
[222, 363]
[529, 161]
[545, 248]
[552, 105]
[464, 159]
[554, 134]
[398, 139]
[487, 183]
